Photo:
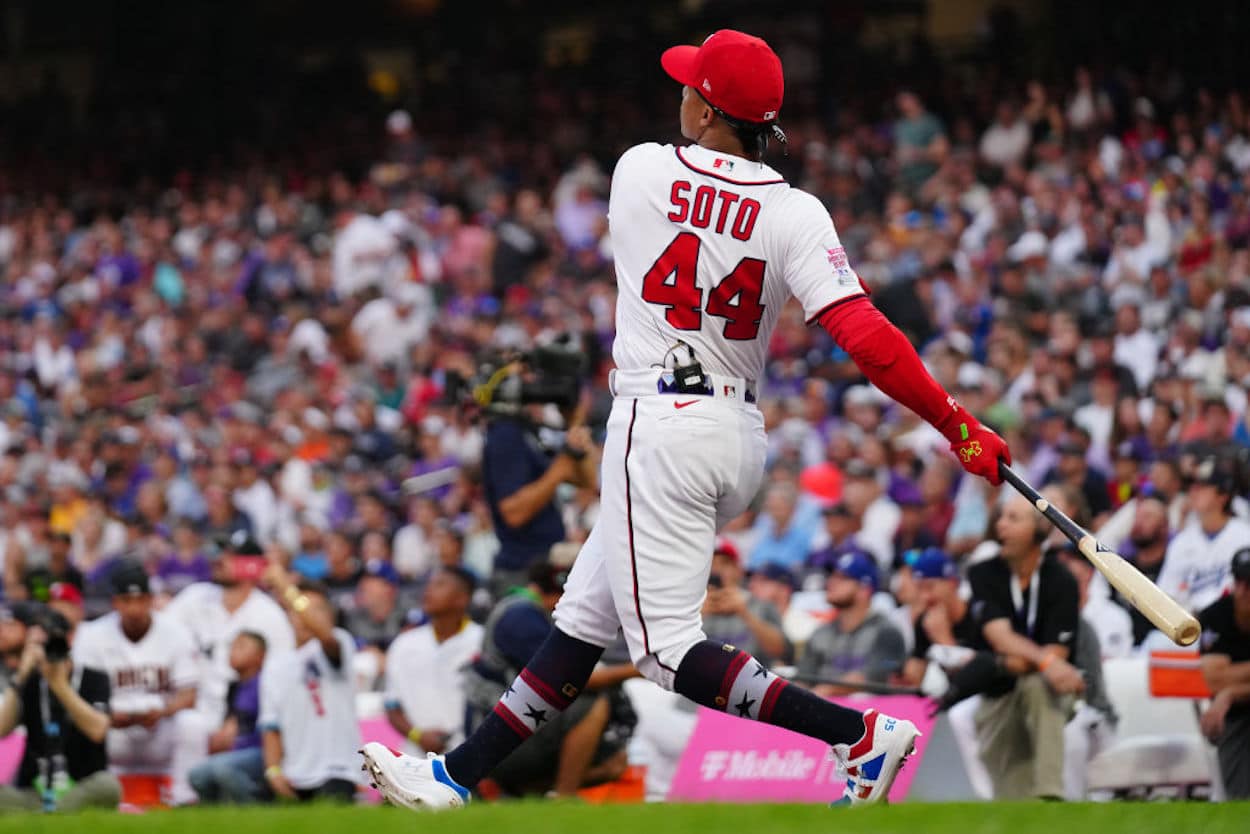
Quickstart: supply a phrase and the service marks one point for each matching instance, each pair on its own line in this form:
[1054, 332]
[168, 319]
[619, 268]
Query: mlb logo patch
[731, 392]
[841, 266]
[723, 163]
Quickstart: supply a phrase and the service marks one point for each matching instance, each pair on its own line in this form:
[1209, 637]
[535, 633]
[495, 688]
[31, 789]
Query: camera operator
[64, 709]
[520, 476]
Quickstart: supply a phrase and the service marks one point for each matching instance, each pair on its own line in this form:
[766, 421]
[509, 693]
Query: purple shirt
[178, 574]
[245, 707]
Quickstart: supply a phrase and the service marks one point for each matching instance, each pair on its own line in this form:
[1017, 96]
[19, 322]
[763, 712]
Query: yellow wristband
[300, 604]
[291, 593]
[414, 735]
[273, 771]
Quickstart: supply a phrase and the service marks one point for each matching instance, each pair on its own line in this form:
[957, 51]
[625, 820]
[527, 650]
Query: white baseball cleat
[872, 762]
[414, 783]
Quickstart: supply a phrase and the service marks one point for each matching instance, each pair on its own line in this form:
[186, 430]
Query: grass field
[558, 818]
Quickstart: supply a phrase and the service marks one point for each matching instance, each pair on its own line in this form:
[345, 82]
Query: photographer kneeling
[65, 712]
[519, 474]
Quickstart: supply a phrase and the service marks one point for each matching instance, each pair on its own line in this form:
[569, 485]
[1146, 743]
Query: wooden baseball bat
[1166, 614]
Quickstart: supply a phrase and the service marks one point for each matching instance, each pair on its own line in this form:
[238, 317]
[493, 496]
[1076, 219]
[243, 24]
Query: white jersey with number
[311, 702]
[143, 675]
[708, 249]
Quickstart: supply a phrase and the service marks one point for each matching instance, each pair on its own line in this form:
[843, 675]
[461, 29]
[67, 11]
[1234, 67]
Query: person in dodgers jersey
[709, 244]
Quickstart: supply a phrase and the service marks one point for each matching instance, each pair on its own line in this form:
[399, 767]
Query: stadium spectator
[309, 734]
[784, 529]
[64, 710]
[920, 144]
[1226, 667]
[1197, 568]
[150, 660]
[733, 615]
[234, 771]
[374, 619]
[215, 613]
[943, 620]
[861, 645]
[1027, 608]
[425, 701]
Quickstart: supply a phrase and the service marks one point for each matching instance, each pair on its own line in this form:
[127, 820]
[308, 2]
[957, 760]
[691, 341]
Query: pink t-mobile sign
[732, 760]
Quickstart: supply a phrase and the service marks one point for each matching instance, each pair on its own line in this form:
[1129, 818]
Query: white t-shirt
[1004, 145]
[199, 608]
[708, 248]
[1112, 624]
[362, 255]
[412, 551]
[1139, 353]
[260, 505]
[423, 678]
[385, 334]
[1197, 568]
[312, 704]
[143, 676]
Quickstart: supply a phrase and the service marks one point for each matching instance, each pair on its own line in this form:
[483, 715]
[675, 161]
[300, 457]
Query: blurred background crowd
[256, 353]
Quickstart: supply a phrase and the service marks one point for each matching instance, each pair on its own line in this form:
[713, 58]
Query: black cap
[129, 579]
[26, 613]
[1241, 564]
[241, 544]
[549, 578]
[1214, 472]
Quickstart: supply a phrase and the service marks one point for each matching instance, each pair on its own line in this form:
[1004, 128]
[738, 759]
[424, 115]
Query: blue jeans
[235, 777]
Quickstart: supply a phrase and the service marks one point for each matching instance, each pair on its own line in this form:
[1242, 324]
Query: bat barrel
[1163, 611]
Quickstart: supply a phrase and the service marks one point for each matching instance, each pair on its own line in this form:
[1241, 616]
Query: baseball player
[709, 244]
[151, 663]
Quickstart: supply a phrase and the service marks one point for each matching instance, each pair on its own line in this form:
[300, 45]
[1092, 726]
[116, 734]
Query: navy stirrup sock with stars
[553, 678]
[720, 676]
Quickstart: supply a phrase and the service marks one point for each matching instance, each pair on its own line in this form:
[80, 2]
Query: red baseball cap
[727, 548]
[735, 72]
[64, 592]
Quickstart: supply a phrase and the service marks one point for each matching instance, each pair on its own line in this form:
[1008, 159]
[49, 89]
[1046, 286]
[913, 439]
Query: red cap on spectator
[727, 548]
[735, 72]
[64, 592]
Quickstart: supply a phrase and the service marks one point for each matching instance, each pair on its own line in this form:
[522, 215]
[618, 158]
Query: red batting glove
[977, 448]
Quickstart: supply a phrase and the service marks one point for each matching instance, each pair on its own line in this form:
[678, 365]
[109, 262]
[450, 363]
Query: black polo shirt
[1047, 612]
[966, 632]
[1221, 635]
[83, 756]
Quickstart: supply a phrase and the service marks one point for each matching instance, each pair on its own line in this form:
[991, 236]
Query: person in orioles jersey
[710, 243]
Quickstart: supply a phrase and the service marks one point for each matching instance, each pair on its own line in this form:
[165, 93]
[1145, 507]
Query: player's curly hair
[754, 136]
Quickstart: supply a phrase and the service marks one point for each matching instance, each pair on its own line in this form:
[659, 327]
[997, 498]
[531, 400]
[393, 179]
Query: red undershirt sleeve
[887, 358]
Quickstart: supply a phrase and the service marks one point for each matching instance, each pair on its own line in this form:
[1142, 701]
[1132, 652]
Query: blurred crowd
[269, 361]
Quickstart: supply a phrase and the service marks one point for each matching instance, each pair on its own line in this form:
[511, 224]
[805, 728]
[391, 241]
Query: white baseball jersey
[1197, 568]
[423, 678]
[708, 249]
[199, 608]
[312, 704]
[143, 675]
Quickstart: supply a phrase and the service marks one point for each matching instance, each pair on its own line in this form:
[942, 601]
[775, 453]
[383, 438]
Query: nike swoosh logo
[683, 405]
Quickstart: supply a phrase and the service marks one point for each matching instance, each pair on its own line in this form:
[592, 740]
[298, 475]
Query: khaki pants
[99, 790]
[1021, 739]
